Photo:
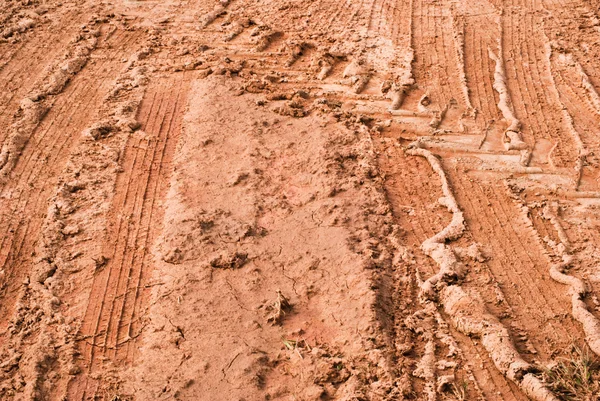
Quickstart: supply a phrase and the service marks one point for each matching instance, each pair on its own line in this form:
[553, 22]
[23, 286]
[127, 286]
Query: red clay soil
[298, 200]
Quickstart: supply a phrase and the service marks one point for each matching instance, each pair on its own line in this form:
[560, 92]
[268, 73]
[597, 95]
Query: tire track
[413, 195]
[466, 308]
[162, 170]
[38, 152]
[23, 71]
[584, 237]
[521, 284]
[409, 199]
[114, 316]
[167, 132]
[478, 71]
[517, 84]
[574, 83]
[35, 182]
[27, 193]
[402, 22]
[558, 245]
[536, 104]
[435, 55]
[409, 204]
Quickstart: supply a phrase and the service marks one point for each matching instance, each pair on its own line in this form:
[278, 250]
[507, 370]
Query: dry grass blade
[280, 307]
[576, 378]
[459, 391]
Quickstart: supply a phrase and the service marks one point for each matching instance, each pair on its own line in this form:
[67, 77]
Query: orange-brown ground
[298, 200]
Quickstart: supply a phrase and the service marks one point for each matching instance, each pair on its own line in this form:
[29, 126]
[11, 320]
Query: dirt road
[299, 200]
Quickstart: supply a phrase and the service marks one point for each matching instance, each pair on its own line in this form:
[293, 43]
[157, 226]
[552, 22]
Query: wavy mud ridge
[245, 200]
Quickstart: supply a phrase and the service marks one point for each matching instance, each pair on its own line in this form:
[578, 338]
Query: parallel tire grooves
[35, 157]
[26, 176]
[114, 313]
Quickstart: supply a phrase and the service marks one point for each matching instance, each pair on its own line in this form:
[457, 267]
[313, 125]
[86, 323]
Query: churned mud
[299, 200]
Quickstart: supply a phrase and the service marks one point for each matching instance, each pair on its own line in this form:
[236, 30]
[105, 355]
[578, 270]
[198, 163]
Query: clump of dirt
[235, 261]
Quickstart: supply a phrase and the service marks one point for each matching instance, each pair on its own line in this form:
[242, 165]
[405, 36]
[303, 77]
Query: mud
[297, 200]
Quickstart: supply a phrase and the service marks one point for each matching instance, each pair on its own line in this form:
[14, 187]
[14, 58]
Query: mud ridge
[562, 250]
[40, 313]
[323, 63]
[512, 135]
[458, 24]
[18, 18]
[210, 17]
[466, 309]
[34, 107]
[568, 120]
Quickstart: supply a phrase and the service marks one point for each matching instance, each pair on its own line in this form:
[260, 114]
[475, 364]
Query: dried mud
[287, 200]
